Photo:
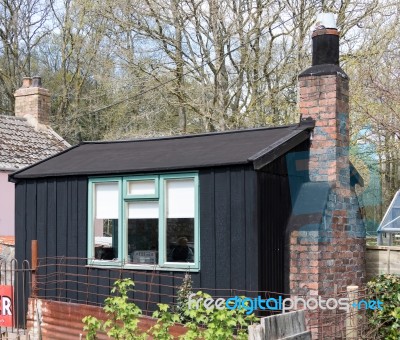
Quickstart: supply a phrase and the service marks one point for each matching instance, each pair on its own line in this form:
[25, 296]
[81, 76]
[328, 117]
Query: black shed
[214, 204]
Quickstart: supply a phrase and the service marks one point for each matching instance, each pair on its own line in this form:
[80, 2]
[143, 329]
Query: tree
[23, 26]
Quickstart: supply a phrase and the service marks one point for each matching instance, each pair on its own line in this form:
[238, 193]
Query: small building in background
[25, 139]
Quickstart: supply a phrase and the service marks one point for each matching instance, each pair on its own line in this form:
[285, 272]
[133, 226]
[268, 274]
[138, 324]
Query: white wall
[7, 199]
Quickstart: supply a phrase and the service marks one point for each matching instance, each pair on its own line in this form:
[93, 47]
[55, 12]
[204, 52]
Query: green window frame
[133, 179]
[159, 195]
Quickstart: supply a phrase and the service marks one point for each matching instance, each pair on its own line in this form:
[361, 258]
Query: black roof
[257, 146]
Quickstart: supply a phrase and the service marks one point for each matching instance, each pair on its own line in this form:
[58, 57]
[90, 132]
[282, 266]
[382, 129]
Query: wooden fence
[382, 260]
[286, 326]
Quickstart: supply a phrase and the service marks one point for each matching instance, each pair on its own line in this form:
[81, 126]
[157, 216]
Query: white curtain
[143, 209]
[180, 198]
[107, 200]
[141, 187]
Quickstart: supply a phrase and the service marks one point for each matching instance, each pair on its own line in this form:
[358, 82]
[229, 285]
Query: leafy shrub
[386, 321]
[216, 324]
[202, 323]
[123, 315]
[160, 331]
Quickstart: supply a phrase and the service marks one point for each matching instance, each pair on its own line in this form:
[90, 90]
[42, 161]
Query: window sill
[118, 265]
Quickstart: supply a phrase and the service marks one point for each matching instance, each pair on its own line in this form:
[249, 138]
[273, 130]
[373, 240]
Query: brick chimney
[324, 97]
[32, 101]
[327, 249]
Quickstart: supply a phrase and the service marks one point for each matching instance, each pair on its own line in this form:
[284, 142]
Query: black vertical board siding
[154, 290]
[207, 228]
[146, 284]
[30, 230]
[30, 217]
[141, 290]
[92, 286]
[62, 233]
[238, 232]
[196, 279]
[51, 248]
[30, 223]
[42, 218]
[166, 290]
[20, 221]
[285, 216]
[264, 240]
[275, 209]
[82, 211]
[72, 243]
[241, 230]
[103, 290]
[42, 226]
[113, 275]
[222, 228]
[20, 250]
[251, 266]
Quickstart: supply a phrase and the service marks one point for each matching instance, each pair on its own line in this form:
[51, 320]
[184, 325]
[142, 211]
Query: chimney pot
[26, 82]
[325, 41]
[36, 81]
[327, 20]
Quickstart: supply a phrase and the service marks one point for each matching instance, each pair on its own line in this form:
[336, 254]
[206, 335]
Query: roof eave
[280, 147]
[129, 171]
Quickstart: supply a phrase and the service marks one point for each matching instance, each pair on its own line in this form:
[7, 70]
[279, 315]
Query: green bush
[202, 323]
[216, 324]
[385, 321]
[123, 320]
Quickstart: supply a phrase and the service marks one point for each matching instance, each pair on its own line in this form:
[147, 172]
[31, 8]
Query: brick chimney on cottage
[327, 255]
[324, 97]
[32, 101]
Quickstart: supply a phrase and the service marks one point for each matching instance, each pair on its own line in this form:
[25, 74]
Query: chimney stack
[329, 254]
[324, 97]
[32, 101]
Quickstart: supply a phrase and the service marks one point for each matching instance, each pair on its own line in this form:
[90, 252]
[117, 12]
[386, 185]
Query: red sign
[6, 306]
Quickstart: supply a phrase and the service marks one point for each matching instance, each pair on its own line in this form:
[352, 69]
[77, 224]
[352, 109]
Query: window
[144, 221]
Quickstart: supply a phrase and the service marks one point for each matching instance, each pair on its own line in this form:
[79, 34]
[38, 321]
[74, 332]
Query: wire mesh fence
[341, 315]
[338, 316]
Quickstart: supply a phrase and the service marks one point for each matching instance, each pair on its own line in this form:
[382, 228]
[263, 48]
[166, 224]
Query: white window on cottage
[105, 223]
[142, 240]
[180, 218]
[145, 221]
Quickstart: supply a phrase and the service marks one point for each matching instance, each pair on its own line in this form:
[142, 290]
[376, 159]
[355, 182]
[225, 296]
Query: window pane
[106, 200]
[180, 198]
[105, 239]
[143, 232]
[141, 187]
[180, 207]
[180, 240]
[143, 209]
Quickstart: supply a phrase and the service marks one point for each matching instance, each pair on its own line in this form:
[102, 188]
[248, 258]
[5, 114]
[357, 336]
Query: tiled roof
[22, 145]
